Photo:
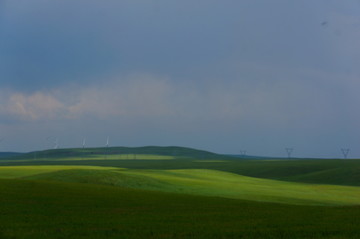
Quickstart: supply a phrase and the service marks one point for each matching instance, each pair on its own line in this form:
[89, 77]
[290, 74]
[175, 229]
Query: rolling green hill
[339, 172]
[188, 194]
[320, 171]
[193, 181]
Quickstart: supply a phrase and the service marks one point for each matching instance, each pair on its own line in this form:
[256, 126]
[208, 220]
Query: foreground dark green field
[72, 201]
[38, 209]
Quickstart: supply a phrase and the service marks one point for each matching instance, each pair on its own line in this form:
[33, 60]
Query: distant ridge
[174, 151]
[9, 154]
[239, 156]
[253, 157]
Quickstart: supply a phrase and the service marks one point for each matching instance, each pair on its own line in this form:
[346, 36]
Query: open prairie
[99, 101]
[183, 196]
[193, 181]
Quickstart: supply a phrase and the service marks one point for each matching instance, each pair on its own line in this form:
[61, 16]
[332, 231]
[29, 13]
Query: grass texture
[41, 209]
[193, 181]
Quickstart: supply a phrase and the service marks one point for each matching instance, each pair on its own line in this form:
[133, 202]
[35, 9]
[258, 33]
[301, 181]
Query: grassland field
[44, 209]
[319, 171]
[193, 181]
[169, 196]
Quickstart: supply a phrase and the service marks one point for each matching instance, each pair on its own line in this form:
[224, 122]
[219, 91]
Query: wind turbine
[55, 141]
[83, 146]
[84, 142]
[107, 142]
[107, 145]
[243, 153]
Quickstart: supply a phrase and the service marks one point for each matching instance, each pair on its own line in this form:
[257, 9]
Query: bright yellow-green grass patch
[218, 183]
[99, 157]
[194, 181]
[25, 171]
[117, 157]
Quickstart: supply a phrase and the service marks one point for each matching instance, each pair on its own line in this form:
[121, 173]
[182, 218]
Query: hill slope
[194, 181]
[339, 172]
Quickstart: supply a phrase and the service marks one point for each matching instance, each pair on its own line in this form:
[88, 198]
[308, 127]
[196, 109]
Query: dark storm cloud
[49, 43]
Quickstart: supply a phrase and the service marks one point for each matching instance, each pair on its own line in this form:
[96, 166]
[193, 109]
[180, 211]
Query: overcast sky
[223, 76]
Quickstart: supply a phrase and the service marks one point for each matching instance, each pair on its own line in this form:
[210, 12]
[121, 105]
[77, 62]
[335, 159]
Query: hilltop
[114, 152]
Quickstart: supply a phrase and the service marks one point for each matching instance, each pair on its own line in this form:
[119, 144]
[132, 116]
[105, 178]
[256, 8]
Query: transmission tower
[345, 152]
[289, 152]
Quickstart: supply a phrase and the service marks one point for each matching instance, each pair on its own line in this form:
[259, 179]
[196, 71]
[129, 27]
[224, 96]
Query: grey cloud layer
[145, 101]
[147, 96]
[48, 43]
[253, 72]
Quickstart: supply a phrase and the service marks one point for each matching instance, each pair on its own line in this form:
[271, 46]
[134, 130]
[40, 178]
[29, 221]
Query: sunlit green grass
[146, 195]
[26, 171]
[194, 181]
[113, 202]
[324, 171]
[217, 183]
